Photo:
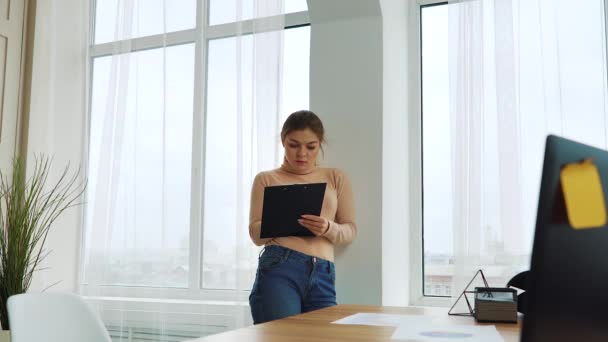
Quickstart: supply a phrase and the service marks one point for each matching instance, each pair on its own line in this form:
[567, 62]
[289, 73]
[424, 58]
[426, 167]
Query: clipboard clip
[583, 161]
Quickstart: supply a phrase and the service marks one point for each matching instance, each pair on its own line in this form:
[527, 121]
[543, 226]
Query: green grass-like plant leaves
[28, 208]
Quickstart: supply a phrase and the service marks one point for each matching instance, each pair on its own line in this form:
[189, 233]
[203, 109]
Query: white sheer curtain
[519, 70]
[167, 250]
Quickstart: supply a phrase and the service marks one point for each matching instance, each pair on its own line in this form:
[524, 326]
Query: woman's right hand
[318, 225]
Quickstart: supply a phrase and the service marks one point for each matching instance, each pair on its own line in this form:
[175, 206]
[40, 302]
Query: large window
[166, 58]
[436, 164]
[143, 115]
[496, 78]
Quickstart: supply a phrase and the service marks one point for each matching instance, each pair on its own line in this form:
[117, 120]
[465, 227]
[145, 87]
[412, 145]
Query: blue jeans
[289, 282]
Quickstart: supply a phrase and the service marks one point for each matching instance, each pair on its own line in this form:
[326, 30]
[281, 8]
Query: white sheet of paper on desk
[433, 332]
[382, 319]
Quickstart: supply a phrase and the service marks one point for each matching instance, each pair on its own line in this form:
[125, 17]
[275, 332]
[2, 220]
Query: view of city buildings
[498, 268]
[169, 267]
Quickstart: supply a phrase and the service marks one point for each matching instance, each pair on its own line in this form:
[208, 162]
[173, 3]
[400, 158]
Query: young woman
[297, 274]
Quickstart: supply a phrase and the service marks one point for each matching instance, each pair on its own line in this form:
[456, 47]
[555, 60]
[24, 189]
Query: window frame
[416, 293]
[200, 38]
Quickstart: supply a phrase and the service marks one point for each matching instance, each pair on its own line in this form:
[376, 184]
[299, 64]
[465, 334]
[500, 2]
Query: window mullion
[246, 26]
[144, 43]
[198, 152]
[415, 124]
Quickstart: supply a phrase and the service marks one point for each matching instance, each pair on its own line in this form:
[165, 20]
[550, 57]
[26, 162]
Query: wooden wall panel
[3, 51]
[11, 43]
[5, 12]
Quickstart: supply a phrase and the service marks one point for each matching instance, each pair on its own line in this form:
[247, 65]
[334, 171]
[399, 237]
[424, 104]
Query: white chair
[53, 317]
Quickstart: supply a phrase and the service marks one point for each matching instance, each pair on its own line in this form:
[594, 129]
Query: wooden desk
[316, 326]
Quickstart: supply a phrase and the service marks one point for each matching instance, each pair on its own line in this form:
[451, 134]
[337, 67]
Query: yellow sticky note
[583, 194]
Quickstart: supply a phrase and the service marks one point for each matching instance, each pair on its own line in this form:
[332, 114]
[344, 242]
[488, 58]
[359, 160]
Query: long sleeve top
[338, 208]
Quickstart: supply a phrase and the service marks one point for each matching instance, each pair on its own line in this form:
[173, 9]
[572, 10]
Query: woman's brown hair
[301, 120]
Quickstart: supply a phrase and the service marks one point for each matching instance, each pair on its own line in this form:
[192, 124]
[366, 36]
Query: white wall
[359, 85]
[396, 154]
[346, 92]
[57, 121]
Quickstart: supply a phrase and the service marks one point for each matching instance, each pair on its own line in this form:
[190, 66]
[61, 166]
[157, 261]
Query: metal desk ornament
[491, 304]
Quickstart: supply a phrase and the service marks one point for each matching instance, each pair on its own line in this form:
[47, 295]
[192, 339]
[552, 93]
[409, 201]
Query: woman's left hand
[316, 224]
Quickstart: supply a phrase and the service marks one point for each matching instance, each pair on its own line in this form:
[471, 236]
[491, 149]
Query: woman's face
[301, 149]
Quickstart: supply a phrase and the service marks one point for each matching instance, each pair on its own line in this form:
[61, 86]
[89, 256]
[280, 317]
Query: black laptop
[568, 284]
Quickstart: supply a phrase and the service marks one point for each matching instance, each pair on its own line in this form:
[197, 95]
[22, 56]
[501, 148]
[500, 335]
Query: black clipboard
[285, 204]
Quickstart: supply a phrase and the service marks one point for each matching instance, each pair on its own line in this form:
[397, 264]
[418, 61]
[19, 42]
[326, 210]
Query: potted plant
[28, 207]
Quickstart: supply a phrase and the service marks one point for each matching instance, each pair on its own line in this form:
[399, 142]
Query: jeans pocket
[269, 261]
